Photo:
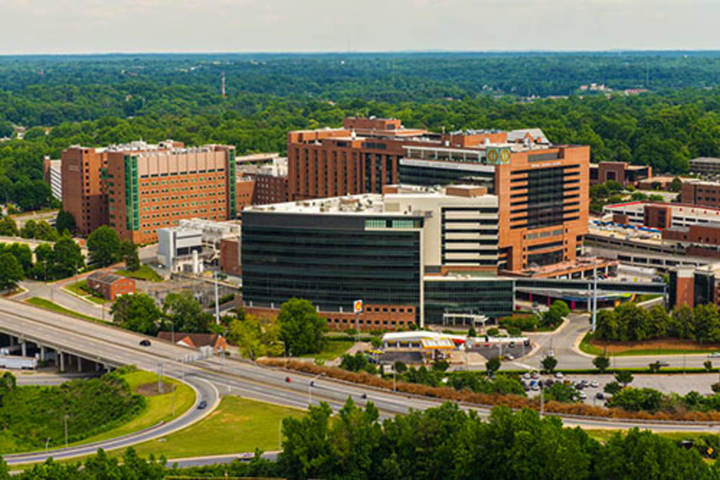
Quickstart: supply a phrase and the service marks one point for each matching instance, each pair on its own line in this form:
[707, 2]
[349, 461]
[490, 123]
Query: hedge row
[512, 401]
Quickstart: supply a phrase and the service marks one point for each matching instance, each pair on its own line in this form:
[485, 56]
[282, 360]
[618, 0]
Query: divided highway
[214, 377]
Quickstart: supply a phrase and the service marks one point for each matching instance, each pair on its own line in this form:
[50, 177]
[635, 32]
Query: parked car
[558, 375]
[511, 344]
[594, 384]
[583, 396]
[550, 353]
[526, 375]
[535, 374]
[600, 396]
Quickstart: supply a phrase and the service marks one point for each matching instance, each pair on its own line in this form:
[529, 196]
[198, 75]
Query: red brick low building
[110, 285]
[621, 172]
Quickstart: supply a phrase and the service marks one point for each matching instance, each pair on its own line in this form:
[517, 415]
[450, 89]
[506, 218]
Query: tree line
[442, 442]
[628, 323]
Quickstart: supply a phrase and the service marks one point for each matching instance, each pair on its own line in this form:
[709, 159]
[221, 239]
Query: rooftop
[379, 204]
[705, 160]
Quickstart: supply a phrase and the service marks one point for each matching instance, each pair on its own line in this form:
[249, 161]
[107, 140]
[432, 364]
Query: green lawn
[82, 290]
[144, 273]
[587, 347]
[54, 307]
[238, 425]
[159, 407]
[332, 350]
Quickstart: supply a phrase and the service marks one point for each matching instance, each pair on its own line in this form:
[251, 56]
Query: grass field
[589, 348]
[54, 307]
[81, 289]
[332, 350]
[238, 425]
[159, 407]
[144, 273]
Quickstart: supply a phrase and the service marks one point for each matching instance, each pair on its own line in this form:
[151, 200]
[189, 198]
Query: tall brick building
[139, 188]
[542, 188]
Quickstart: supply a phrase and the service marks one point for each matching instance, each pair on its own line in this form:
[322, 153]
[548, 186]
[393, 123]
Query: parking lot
[676, 383]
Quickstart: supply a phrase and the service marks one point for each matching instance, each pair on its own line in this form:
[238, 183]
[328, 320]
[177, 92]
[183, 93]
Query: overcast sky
[89, 26]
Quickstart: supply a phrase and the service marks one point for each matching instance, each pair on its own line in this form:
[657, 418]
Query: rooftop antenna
[223, 84]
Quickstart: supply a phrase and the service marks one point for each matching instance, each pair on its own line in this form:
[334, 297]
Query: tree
[492, 366]
[376, 342]
[708, 366]
[65, 222]
[8, 227]
[130, 255]
[11, 272]
[256, 337]
[549, 364]
[28, 230]
[472, 333]
[301, 328]
[23, 254]
[43, 231]
[602, 363]
[186, 313]
[67, 258]
[561, 392]
[399, 367]
[624, 377]
[675, 185]
[716, 387]
[612, 388]
[138, 313]
[104, 246]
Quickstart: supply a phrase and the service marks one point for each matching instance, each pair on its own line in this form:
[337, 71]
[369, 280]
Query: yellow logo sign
[710, 451]
[492, 156]
[505, 156]
[358, 306]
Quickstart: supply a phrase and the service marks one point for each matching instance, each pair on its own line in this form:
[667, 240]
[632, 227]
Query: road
[219, 376]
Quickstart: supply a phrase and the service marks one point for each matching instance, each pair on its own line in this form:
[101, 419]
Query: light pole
[65, 418]
[594, 299]
[174, 400]
[542, 398]
[310, 386]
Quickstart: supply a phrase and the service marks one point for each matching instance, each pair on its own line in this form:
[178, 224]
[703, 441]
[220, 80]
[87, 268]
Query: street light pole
[65, 418]
[594, 299]
[310, 385]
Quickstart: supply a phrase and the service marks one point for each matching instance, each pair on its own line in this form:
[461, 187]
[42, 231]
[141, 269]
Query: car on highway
[145, 343]
[714, 355]
[202, 405]
[509, 356]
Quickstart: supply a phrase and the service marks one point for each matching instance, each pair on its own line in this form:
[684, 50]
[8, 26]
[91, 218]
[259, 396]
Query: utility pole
[542, 398]
[174, 400]
[65, 418]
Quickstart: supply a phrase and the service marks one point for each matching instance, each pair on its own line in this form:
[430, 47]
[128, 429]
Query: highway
[216, 376]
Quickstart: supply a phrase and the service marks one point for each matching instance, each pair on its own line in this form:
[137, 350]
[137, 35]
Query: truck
[18, 363]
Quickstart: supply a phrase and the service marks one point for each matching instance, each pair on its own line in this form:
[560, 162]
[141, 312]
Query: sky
[104, 26]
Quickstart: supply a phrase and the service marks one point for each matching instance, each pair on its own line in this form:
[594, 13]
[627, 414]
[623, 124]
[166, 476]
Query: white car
[582, 395]
[714, 355]
[594, 384]
[559, 375]
[550, 353]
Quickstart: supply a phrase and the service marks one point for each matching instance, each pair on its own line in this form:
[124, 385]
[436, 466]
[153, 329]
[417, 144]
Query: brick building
[138, 188]
[542, 188]
[110, 285]
[621, 172]
[701, 193]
